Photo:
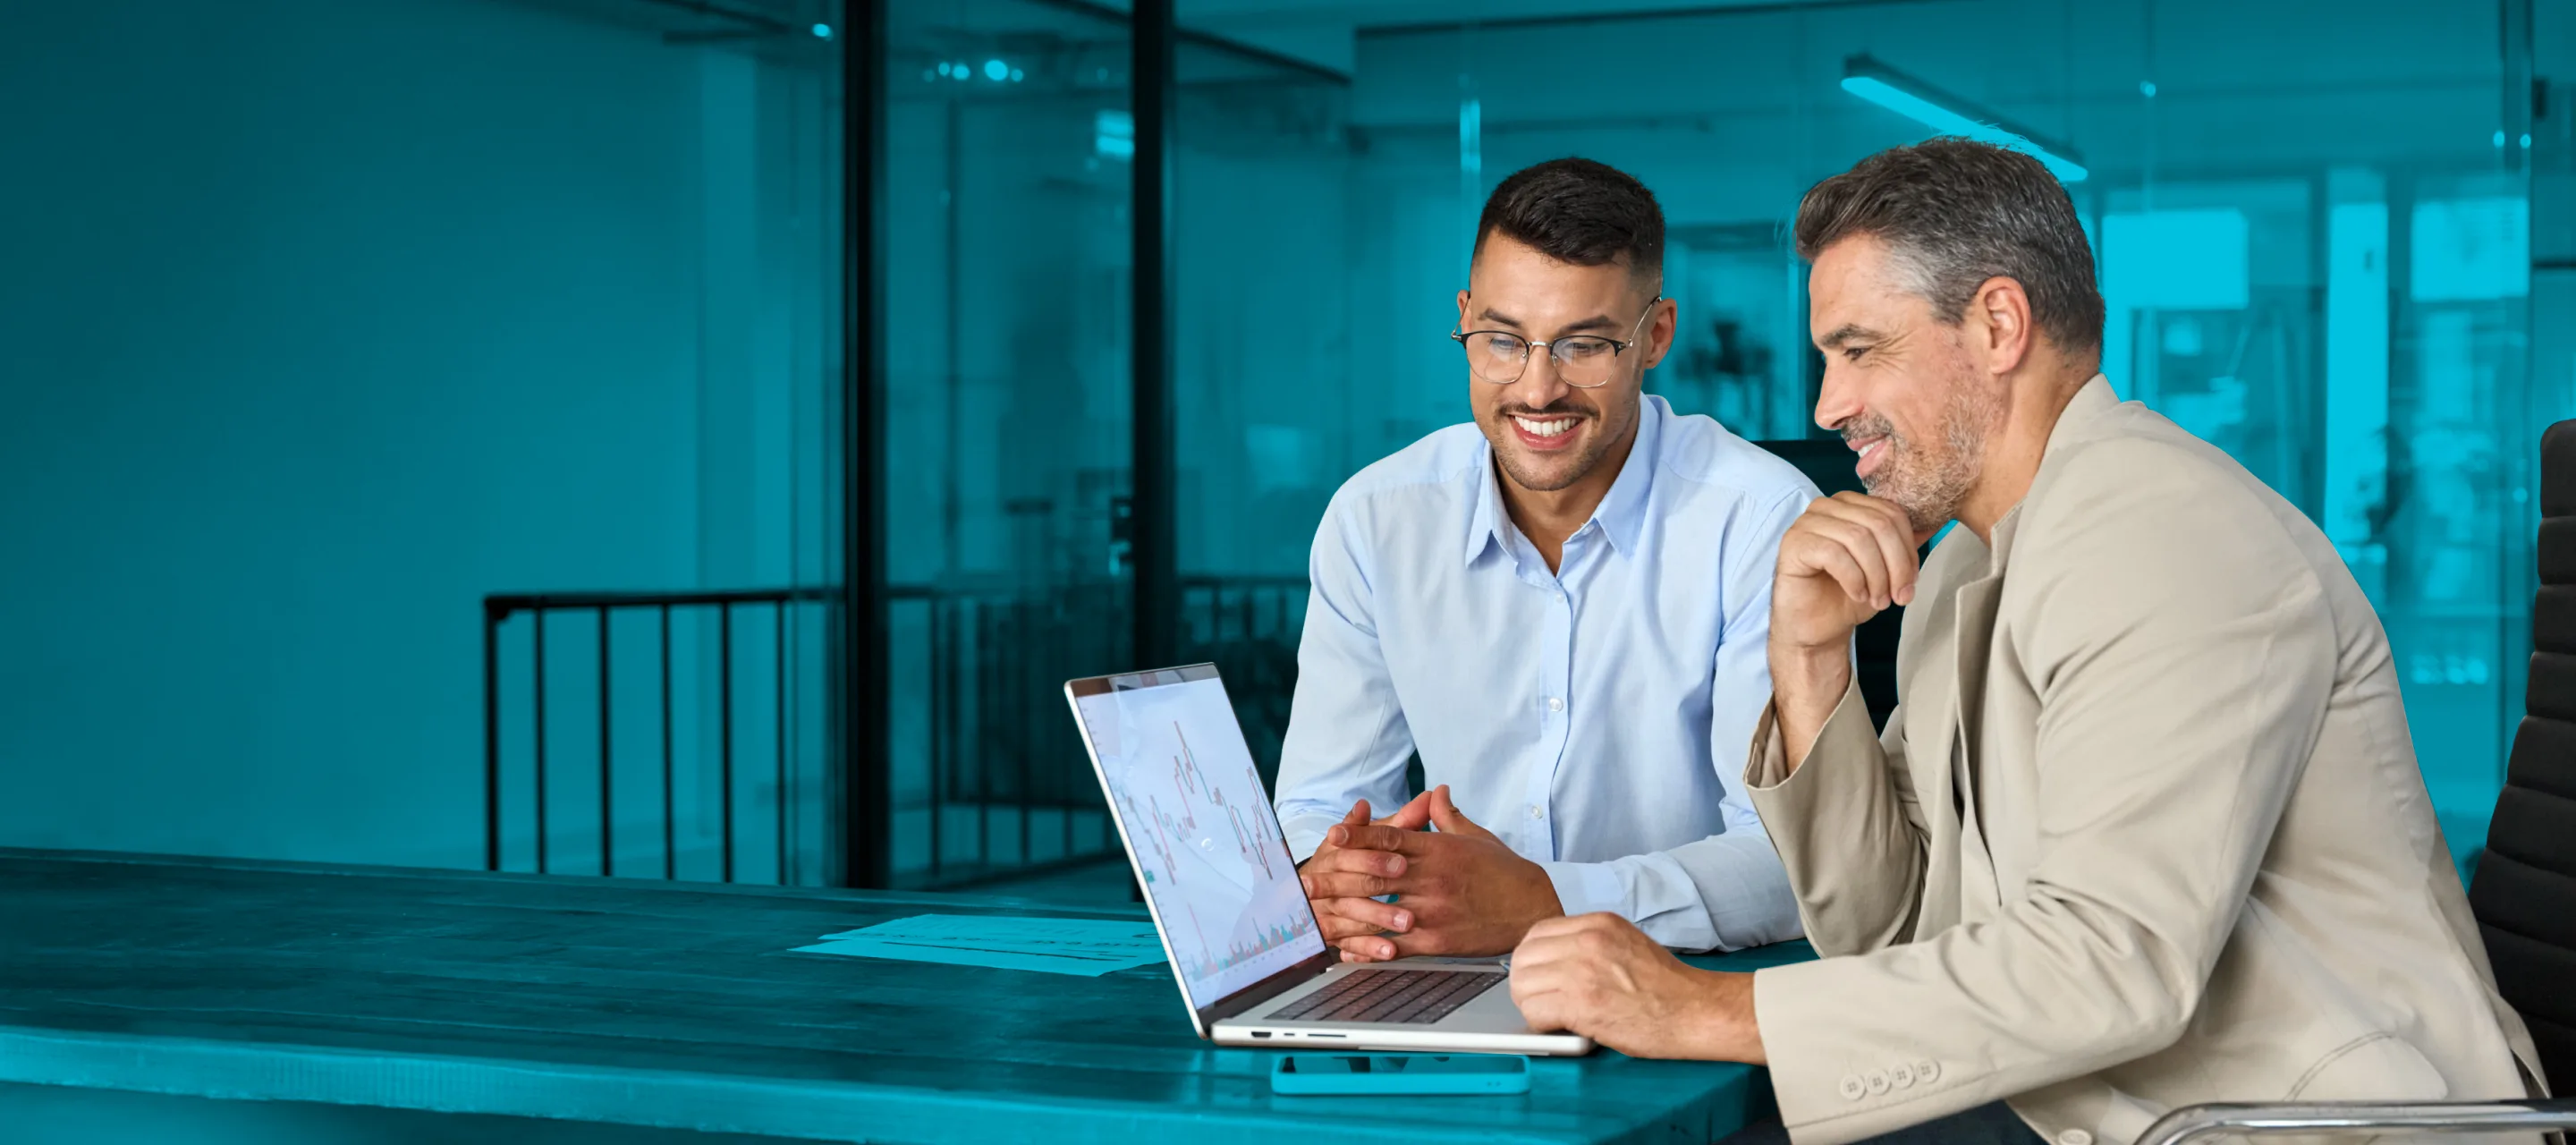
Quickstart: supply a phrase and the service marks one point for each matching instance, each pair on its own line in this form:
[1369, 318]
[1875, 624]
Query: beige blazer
[2146, 829]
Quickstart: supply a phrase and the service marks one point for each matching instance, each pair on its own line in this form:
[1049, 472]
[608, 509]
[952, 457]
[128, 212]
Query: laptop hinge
[1243, 1000]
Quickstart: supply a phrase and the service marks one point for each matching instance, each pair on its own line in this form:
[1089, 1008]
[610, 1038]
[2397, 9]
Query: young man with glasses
[1562, 608]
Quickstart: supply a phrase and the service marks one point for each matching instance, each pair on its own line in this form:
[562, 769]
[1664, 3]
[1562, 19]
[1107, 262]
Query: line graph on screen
[1206, 839]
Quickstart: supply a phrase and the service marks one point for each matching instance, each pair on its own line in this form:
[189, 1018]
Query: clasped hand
[1458, 891]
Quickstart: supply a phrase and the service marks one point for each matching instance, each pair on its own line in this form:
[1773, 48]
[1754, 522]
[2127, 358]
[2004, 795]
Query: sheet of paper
[1007, 932]
[1063, 945]
[1087, 967]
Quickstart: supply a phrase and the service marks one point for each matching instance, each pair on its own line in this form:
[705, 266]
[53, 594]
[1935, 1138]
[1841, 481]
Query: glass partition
[1006, 283]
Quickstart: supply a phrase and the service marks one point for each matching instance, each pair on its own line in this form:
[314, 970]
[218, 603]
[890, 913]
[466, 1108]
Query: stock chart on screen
[1203, 833]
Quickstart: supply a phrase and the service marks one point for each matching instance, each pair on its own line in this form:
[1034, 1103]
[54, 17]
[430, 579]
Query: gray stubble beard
[1933, 493]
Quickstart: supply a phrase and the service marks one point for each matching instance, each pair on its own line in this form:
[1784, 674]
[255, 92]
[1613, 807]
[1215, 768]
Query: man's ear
[1999, 316]
[1659, 332]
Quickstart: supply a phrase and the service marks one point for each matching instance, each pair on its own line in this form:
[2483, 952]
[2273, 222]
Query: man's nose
[1837, 401]
[1539, 385]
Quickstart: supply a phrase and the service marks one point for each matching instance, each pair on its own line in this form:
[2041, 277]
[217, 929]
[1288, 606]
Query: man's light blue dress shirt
[1596, 718]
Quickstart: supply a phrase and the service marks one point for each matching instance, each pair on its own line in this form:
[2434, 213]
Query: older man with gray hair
[2146, 829]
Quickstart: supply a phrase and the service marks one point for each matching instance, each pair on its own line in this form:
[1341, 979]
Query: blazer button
[1878, 1083]
[1903, 1076]
[2074, 1137]
[1927, 1071]
[1852, 1087]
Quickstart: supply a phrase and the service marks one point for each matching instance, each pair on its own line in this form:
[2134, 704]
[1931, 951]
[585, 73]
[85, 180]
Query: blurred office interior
[455, 433]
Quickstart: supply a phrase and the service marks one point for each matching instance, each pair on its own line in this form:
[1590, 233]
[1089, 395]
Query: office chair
[2524, 893]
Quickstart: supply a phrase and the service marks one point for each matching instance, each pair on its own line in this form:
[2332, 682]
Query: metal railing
[1248, 627]
[1008, 791]
[993, 782]
[773, 605]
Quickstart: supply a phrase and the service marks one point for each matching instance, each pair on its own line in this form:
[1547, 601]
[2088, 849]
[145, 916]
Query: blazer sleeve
[2181, 653]
[1846, 825]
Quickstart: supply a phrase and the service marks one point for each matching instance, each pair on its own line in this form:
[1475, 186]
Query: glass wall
[326, 322]
[1275, 372]
[1006, 284]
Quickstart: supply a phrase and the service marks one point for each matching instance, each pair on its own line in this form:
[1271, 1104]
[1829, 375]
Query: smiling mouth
[1870, 455]
[1544, 427]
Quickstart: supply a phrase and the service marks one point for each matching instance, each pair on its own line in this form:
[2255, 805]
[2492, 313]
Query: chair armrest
[2519, 1116]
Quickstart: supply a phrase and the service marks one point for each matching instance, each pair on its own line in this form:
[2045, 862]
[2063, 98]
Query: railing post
[607, 808]
[724, 672]
[780, 687]
[537, 616]
[492, 617]
[670, 843]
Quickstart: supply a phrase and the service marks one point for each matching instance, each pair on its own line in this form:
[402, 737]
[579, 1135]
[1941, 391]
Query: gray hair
[1954, 213]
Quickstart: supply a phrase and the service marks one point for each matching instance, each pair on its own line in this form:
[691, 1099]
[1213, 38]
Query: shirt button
[1903, 1076]
[1927, 1071]
[1556, 703]
[2074, 1137]
[1537, 812]
[1878, 1082]
[1852, 1088]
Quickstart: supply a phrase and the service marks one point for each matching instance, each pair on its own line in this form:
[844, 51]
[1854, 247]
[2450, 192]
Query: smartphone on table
[1314, 1074]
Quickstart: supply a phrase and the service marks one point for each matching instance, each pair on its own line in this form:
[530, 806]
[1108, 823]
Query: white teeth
[1549, 428]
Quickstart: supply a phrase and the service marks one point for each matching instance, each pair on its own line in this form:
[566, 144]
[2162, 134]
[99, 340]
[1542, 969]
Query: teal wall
[323, 320]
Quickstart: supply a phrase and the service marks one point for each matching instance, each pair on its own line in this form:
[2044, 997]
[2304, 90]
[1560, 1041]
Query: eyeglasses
[1585, 361]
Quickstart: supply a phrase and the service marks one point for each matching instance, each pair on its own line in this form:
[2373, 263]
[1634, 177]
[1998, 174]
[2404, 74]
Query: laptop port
[1260, 1033]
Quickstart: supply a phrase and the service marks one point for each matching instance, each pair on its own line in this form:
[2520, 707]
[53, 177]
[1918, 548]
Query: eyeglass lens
[1501, 358]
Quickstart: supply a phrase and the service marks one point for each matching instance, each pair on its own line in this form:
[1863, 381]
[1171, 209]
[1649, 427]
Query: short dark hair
[1577, 211]
[1958, 212]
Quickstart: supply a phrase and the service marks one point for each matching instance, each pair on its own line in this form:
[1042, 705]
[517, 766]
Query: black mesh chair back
[2524, 892]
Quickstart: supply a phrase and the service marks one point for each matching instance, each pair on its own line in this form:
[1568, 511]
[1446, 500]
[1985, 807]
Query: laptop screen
[1201, 829]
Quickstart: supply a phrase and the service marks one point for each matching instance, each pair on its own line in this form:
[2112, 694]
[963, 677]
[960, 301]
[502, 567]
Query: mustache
[1557, 408]
[1863, 426]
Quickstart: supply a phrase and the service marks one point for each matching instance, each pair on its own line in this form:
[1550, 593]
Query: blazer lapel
[1976, 613]
[1927, 679]
[1973, 648]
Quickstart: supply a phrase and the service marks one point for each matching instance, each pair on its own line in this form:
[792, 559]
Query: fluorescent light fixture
[1113, 134]
[1950, 115]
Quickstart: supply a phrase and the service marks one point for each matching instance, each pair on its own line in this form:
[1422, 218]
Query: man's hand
[1332, 856]
[1599, 976]
[1460, 891]
[1847, 558]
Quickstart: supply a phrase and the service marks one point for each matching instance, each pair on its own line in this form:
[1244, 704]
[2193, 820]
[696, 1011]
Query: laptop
[1207, 847]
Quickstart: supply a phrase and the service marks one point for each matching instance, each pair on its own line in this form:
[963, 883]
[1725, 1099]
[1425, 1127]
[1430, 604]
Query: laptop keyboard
[1403, 997]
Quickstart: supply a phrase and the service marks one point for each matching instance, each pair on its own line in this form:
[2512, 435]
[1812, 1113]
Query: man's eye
[1853, 353]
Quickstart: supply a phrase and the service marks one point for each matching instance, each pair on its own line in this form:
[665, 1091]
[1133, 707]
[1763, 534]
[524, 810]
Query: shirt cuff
[1583, 888]
[1304, 833]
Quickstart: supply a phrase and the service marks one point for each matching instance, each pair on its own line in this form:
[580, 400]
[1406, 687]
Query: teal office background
[323, 323]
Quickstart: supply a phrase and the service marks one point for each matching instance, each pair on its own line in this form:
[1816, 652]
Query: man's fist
[1847, 558]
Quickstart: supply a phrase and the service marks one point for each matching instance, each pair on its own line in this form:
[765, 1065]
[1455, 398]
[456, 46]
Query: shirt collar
[1622, 512]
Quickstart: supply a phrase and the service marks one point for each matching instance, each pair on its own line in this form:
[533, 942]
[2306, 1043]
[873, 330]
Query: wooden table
[678, 1005]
